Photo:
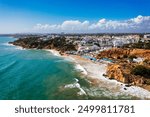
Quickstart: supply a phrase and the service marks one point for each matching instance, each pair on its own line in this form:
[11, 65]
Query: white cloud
[45, 27]
[74, 25]
[102, 21]
[139, 19]
[137, 24]
[68, 26]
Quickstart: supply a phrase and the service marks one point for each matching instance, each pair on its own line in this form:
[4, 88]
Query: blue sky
[23, 15]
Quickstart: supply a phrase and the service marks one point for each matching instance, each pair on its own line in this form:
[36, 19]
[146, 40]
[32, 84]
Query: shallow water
[39, 75]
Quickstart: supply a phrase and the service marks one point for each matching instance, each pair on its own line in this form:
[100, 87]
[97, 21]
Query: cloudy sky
[74, 16]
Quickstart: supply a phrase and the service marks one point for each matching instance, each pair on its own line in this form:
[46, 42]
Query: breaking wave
[76, 85]
[81, 69]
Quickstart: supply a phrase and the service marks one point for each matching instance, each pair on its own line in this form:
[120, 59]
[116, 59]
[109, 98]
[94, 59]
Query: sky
[74, 16]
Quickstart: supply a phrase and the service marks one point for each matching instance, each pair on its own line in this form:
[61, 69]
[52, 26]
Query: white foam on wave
[54, 52]
[76, 85]
[137, 91]
[120, 88]
[117, 88]
[19, 48]
[59, 61]
[16, 47]
[81, 69]
[104, 93]
[68, 59]
[76, 80]
[7, 44]
[81, 92]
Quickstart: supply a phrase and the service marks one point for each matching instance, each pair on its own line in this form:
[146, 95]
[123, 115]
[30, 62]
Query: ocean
[28, 74]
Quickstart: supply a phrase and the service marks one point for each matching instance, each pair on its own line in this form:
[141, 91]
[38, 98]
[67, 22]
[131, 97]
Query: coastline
[94, 73]
[54, 52]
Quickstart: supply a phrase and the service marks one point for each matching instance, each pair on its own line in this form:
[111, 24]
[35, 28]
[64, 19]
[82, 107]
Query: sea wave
[7, 44]
[119, 88]
[16, 47]
[137, 91]
[76, 80]
[8, 66]
[76, 85]
[54, 52]
[103, 93]
[57, 61]
[19, 48]
[81, 69]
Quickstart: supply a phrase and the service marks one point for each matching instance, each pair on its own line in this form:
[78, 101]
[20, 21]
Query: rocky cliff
[119, 73]
[122, 69]
[116, 53]
[141, 53]
[115, 72]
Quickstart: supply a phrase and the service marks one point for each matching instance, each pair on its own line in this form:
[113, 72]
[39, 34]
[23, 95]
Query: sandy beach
[95, 73]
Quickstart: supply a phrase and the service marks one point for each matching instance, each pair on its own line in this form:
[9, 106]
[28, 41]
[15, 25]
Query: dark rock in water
[111, 78]
[104, 75]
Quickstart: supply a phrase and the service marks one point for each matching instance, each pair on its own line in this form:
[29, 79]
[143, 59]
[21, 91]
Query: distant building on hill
[147, 36]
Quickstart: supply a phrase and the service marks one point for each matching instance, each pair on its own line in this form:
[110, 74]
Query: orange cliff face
[121, 69]
[121, 74]
[120, 53]
[141, 53]
[113, 53]
[115, 72]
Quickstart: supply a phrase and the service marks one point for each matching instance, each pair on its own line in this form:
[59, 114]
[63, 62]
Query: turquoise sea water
[39, 75]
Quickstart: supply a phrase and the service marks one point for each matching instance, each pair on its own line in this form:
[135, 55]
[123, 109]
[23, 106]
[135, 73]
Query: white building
[147, 36]
[118, 43]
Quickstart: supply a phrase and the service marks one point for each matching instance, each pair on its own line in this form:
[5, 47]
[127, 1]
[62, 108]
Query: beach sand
[95, 73]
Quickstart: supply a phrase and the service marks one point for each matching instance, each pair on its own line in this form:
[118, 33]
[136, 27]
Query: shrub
[141, 70]
[146, 61]
[118, 57]
[125, 56]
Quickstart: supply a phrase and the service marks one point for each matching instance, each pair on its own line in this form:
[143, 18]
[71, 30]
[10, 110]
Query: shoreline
[95, 71]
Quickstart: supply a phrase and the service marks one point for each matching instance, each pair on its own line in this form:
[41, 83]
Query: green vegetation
[141, 70]
[125, 56]
[58, 43]
[146, 61]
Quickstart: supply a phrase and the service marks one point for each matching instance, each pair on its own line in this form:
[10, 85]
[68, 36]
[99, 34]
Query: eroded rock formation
[123, 75]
